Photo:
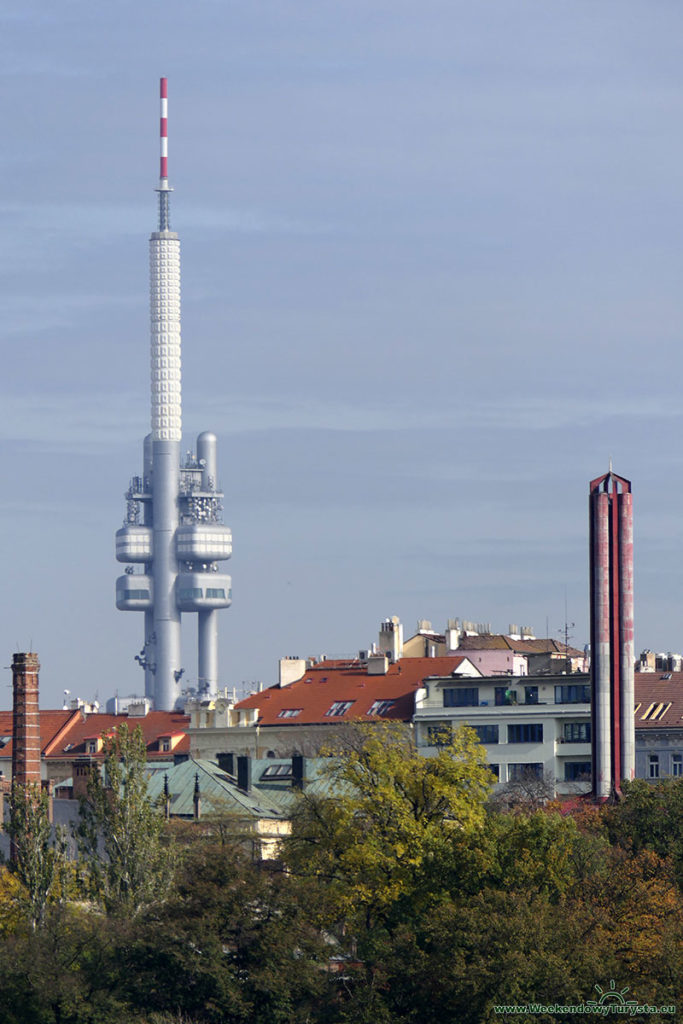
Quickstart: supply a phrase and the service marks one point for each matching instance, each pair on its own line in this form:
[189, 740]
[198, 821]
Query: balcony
[572, 748]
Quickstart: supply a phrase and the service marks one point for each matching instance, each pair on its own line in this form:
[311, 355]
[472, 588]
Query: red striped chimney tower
[612, 650]
[25, 720]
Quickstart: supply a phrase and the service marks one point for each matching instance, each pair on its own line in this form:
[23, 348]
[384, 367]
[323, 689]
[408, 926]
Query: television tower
[173, 536]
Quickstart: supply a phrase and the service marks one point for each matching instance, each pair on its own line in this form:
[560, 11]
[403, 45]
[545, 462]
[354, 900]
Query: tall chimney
[25, 720]
[612, 652]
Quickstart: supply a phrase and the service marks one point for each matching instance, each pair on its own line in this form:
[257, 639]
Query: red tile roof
[153, 725]
[51, 724]
[659, 700]
[328, 683]
[60, 730]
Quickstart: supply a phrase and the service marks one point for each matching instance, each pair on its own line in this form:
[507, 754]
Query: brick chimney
[25, 720]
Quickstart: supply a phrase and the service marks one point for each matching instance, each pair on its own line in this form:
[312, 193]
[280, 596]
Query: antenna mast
[164, 188]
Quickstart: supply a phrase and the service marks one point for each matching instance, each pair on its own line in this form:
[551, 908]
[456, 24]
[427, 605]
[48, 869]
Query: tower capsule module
[173, 537]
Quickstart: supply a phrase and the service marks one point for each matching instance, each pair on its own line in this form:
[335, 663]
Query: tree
[650, 817]
[38, 853]
[528, 792]
[129, 866]
[392, 817]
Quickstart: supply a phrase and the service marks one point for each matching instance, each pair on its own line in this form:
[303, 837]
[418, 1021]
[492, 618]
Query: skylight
[380, 707]
[339, 708]
[655, 712]
[277, 771]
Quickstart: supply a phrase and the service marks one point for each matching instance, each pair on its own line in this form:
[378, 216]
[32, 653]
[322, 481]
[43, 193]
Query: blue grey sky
[431, 283]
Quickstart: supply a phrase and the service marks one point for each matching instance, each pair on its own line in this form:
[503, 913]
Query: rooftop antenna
[567, 626]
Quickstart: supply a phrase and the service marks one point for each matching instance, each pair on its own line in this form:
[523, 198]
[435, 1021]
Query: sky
[431, 275]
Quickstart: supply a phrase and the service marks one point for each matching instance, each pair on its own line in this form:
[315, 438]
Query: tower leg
[150, 655]
[207, 646]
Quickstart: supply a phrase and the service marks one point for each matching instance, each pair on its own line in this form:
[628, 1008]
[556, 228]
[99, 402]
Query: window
[577, 732]
[531, 695]
[574, 694]
[439, 735]
[277, 771]
[653, 762]
[504, 695]
[486, 733]
[677, 765]
[655, 711]
[525, 733]
[215, 592]
[495, 771]
[380, 707]
[574, 770]
[133, 595]
[91, 746]
[190, 593]
[461, 697]
[339, 708]
[165, 745]
[289, 712]
[530, 770]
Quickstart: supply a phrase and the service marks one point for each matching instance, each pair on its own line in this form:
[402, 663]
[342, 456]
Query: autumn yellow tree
[390, 816]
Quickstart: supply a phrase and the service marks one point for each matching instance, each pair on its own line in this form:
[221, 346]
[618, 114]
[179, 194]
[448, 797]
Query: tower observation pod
[173, 537]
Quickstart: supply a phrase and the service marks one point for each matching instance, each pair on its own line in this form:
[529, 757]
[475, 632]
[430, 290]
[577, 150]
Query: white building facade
[530, 725]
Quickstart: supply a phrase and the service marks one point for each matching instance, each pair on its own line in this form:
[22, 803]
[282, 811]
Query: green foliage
[392, 817]
[129, 867]
[234, 943]
[406, 900]
[39, 859]
[650, 817]
[378, 852]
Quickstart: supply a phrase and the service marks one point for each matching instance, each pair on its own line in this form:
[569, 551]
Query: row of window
[573, 732]
[468, 696]
[518, 772]
[530, 732]
[676, 766]
[193, 593]
[189, 594]
[574, 771]
[339, 708]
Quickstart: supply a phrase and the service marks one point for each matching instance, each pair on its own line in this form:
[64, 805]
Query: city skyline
[434, 258]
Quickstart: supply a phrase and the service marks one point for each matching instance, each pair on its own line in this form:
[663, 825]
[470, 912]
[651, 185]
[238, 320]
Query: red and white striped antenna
[163, 133]
[163, 188]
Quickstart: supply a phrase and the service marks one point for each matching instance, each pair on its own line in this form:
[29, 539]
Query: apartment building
[531, 726]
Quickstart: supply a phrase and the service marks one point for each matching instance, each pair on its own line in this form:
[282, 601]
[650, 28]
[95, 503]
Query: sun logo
[612, 995]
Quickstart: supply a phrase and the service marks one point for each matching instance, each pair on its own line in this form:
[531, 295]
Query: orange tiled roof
[60, 730]
[328, 683]
[51, 724]
[153, 725]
